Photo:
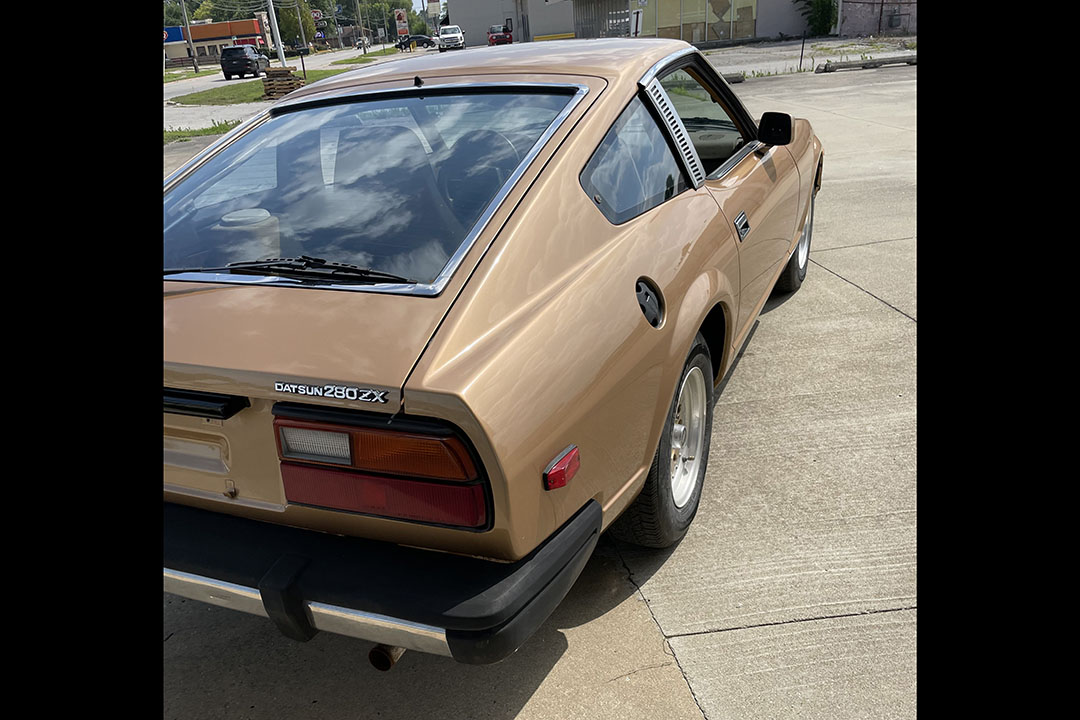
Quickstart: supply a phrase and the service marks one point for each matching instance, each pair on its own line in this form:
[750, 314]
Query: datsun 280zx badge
[333, 391]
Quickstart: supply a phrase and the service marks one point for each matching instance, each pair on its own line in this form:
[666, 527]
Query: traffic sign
[316, 14]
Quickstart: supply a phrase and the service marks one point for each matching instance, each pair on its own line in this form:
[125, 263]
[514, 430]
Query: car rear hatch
[263, 345]
[243, 352]
[234, 58]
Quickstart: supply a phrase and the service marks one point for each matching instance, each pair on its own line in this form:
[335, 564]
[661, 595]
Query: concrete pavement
[794, 593]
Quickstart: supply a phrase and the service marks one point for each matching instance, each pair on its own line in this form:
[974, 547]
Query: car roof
[617, 60]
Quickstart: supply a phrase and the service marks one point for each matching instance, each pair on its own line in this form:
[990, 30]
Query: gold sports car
[433, 326]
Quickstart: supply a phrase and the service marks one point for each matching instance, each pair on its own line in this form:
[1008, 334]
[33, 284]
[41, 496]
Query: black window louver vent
[690, 161]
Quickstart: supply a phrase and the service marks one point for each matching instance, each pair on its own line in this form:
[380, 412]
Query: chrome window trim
[734, 160]
[436, 286]
[652, 72]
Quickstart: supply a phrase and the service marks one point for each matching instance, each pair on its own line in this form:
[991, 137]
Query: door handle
[742, 225]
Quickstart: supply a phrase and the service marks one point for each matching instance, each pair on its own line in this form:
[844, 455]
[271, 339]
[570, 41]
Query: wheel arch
[714, 328]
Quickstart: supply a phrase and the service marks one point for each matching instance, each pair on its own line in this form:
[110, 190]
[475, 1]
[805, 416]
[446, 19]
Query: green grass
[354, 61]
[360, 59]
[233, 92]
[218, 128]
[173, 77]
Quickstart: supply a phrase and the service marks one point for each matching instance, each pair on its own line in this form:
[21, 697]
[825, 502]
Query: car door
[756, 186]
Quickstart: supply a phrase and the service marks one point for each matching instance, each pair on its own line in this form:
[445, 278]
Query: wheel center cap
[678, 436]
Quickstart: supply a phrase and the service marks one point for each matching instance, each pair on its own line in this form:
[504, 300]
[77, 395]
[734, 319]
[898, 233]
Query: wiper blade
[303, 267]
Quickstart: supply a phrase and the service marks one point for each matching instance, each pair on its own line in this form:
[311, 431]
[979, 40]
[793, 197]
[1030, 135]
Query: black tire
[791, 279]
[227, 76]
[653, 520]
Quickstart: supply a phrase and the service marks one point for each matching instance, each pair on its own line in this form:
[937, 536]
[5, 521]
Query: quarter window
[634, 169]
[712, 129]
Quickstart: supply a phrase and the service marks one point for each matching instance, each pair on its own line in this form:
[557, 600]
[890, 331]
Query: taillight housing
[419, 471]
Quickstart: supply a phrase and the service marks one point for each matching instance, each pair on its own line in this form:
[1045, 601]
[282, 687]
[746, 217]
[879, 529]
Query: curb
[830, 66]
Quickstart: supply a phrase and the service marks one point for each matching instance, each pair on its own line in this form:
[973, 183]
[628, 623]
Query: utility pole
[277, 35]
[303, 40]
[360, 19]
[187, 28]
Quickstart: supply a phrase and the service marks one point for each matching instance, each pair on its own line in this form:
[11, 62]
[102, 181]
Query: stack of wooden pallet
[279, 82]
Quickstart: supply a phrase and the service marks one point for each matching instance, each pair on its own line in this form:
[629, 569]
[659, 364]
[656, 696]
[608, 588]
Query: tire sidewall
[675, 521]
[809, 239]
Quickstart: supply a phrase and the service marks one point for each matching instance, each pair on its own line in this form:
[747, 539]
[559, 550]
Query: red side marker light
[562, 468]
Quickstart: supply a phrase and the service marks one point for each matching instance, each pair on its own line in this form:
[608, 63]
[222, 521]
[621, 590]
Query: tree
[175, 16]
[220, 11]
[820, 14]
[290, 30]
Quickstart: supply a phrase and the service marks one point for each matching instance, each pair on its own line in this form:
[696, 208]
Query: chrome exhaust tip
[383, 657]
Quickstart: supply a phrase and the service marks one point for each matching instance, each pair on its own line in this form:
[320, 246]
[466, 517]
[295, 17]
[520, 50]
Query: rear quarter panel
[546, 345]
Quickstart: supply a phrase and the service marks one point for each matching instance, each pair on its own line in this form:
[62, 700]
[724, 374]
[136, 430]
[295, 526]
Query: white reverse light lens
[332, 447]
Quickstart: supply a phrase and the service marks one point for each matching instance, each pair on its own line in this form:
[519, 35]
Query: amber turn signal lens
[437, 457]
[416, 455]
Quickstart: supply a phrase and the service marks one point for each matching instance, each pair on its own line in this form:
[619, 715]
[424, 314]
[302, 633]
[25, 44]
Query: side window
[712, 129]
[634, 169]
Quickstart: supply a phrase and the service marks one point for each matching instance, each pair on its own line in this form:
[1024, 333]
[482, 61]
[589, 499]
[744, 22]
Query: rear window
[394, 185]
[232, 52]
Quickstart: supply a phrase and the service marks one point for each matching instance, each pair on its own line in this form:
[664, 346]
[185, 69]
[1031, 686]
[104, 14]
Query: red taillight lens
[434, 477]
[444, 504]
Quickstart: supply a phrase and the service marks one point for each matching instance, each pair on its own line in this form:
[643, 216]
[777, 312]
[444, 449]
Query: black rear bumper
[485, 610]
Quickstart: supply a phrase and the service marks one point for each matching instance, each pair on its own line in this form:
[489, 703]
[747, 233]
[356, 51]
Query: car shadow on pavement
[221, 662]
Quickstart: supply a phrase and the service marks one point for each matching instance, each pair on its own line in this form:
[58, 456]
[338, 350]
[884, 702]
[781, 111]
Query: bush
[820, 14]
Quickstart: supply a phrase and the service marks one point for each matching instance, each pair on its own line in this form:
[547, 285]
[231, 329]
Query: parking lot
[794, 593]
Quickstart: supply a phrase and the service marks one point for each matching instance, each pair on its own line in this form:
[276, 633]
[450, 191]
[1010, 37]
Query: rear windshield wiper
[303, 267]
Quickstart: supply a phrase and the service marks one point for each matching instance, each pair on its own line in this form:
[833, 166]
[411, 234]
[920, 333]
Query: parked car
[499, 35]
[451, 37]
[242, 59]
[420, 40]
[430, 329]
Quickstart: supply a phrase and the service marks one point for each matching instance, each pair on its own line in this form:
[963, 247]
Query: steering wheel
[476, 167]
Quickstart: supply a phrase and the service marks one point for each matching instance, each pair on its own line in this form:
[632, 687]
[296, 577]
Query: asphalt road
[794, 593]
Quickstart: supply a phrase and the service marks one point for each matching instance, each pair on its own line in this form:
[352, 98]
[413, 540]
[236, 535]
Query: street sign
[635, 22]
[319, 35]
[320, 23]
[316, 14]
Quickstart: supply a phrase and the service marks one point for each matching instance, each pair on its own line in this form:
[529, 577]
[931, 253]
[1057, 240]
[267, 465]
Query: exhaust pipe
[383, 657]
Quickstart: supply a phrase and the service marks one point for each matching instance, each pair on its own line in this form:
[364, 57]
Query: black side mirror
[775, 128]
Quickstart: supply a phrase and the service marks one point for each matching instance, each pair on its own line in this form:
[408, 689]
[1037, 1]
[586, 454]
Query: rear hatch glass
[232, 54]
[393, 184]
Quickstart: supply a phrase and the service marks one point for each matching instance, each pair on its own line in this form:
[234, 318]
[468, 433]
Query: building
[877, 17]
[695, 21]
[528, 20]
[209, 38]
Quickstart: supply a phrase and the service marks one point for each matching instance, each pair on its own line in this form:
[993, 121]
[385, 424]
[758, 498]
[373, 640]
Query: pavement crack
[818, 251]
[882, 301]
[647, 667]
[667, 646]
[791, 622]
[168, 636]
